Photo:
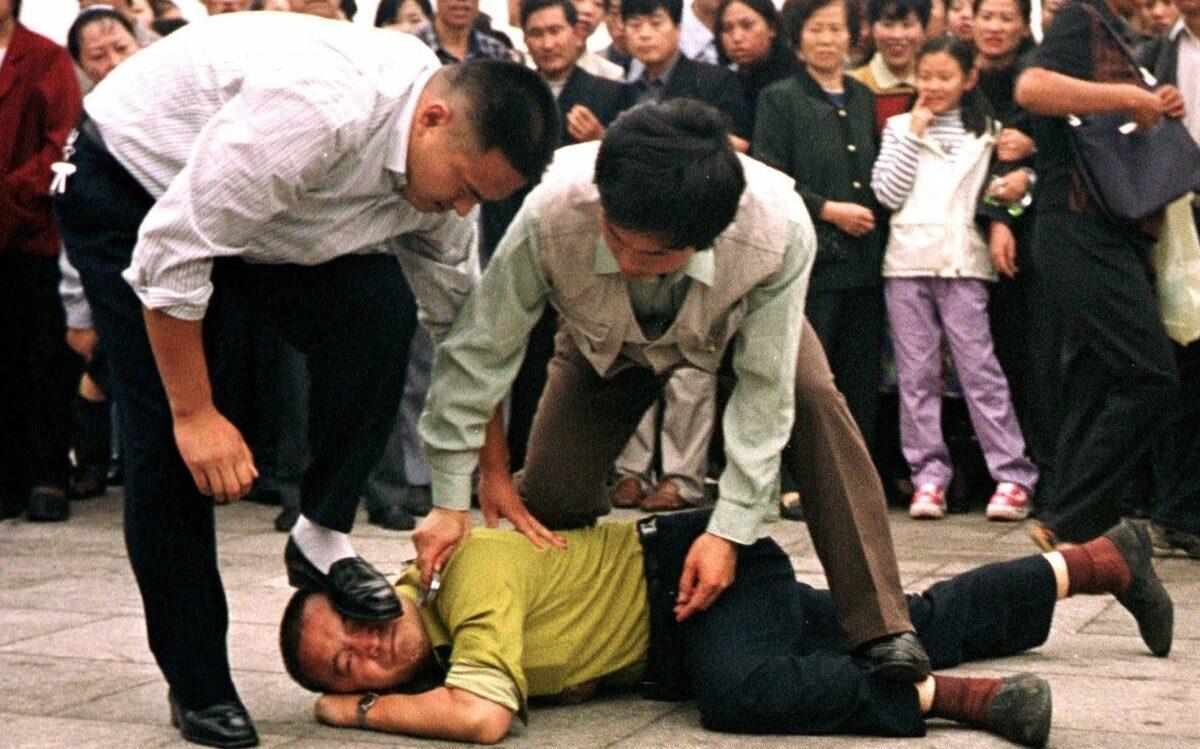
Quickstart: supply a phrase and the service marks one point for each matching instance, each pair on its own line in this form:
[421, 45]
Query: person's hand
[498, 498]
[1003, 247]
[83, 341]
[708, 570]
[921, 117]
[852, 218]
[436, 538]
[1170, 101]
[1011, 187]
[583, 125]
[1145, 108]
[339, 710]
[216, 455]
[1014, 145]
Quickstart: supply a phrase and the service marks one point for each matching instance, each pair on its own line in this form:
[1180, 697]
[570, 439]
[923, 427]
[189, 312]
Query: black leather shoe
[354, 587]
[899, 657]
[47, 505]
[1145, 598]
[225, 724]
[1021, 711]
[392, 517]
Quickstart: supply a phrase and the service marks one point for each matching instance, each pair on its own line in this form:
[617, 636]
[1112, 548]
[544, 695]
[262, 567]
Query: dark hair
[669, 170]
[388, 10]
[16, 10]
[976, 112]
[161, 7]
[291, 627]
[898, 10]
[631, 8]
[167, 26]
[797, 12]
[766, 10]
[511, 109]
[529, 7]
[89, 16]
[1025, 7]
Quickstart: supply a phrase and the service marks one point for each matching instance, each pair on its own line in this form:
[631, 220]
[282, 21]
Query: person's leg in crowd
[962, 306]
[528, 386]
[1176, 514]
[582, 423]
[1118, 375]
[38, 378]
[844, 504]
[1045, 342]
[280, 413]
[169, 526]
[688, 418]
[634, 467]
[916, 333]
[850, 324]
[92, 434]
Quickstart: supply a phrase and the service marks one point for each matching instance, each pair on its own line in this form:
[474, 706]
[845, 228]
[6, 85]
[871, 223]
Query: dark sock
[1096, 567]
[963, 699]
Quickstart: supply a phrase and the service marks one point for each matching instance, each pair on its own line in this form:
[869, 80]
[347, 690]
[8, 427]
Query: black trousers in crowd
[1177, 451]
[768, 656]
[1117, 371]
[38, 376]
[352, 318]
[851, 325]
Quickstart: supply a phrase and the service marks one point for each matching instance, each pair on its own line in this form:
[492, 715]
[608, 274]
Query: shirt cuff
[489, 683]
[79, 315]
[188, 305]
[450, 491]
[736, 523]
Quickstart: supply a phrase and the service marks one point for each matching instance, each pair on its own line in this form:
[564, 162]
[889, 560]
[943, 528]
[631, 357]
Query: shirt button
[841, 113]
[851, 148]
[857, 185]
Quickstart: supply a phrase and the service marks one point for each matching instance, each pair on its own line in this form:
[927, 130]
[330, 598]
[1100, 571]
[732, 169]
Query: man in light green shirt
[660, 248]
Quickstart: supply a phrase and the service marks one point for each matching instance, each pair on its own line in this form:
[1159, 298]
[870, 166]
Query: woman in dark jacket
[750, 41]
[818, 126]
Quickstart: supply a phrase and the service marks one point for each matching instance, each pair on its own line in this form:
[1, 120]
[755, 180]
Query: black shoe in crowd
[47, 505]
[354, 587]
[392, 517]
[226, 724]
[418, 500]
[899, 657]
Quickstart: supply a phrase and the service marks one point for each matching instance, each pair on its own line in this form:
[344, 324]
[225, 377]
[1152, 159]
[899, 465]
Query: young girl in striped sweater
[932, 167]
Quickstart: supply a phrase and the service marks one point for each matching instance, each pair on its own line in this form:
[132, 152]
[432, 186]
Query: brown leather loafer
[665, 498]
[627, 493]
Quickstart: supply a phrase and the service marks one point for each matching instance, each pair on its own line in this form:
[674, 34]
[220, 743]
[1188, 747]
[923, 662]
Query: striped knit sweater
[896, 167]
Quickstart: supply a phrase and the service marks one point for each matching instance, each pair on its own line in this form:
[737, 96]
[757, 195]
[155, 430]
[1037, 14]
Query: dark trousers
[38, 376]
[528, 385]
[1118, 373]
[1177, 451]
[584, 420]
[768, 656]
[351, 318]
[850, 324]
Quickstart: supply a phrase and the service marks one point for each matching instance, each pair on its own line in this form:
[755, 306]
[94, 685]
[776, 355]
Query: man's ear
[437, 113]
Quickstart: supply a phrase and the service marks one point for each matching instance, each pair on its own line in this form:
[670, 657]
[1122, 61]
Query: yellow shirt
[526, 622]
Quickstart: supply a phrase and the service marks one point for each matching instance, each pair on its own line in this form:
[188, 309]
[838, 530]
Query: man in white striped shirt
[285, 162]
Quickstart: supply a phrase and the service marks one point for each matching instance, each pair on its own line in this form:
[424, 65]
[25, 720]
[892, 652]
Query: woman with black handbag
[1117, 371]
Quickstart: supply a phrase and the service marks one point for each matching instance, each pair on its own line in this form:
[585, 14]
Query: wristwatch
[364, 704]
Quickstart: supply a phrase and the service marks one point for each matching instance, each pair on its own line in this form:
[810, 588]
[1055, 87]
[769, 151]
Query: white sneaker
[1009, 503]
[928, 503]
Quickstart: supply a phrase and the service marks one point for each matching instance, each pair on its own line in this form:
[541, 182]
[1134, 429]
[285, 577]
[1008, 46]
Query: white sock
[321, 545]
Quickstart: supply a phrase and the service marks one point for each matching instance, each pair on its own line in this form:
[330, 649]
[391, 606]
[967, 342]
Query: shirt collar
[397, 149]
[663, 79]
[701, 266]
[885, 79]
[1181, 28]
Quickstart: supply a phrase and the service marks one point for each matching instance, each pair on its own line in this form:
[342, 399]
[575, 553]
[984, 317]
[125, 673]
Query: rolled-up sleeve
[253, 161]
[441, 264]
[477, 360]
[758, 419]
[70, 290]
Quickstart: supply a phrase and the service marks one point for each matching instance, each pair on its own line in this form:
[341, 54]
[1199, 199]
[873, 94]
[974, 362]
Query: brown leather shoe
[627, 492]
[665, 498]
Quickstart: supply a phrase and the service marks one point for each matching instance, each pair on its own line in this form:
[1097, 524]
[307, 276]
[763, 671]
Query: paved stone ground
[75, 670]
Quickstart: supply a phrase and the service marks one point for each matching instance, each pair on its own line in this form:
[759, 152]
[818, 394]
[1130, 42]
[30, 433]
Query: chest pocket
[706, 349]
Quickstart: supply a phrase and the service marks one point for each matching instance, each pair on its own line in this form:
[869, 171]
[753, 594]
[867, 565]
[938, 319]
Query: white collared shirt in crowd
[277, 138]
[696, 41]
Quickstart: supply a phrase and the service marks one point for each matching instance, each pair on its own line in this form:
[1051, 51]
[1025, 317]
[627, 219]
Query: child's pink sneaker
[1009, 503]
[928, 503]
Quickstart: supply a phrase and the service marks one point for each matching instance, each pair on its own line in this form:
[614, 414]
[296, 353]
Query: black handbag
[1133, 174]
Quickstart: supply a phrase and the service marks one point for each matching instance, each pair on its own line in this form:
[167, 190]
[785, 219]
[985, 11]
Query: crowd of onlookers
[942, 207]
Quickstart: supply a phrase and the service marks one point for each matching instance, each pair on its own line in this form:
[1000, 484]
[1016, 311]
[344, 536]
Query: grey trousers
[689, 407]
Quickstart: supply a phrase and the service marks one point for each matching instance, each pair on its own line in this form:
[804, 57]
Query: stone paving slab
[75, 670]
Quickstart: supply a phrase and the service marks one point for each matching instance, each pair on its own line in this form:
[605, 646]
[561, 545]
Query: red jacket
[39, 104]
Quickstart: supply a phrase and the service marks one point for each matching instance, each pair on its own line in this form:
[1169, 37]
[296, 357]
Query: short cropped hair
[669, 170]
[87, 17]
[291, 627]
[631, 8]
[510, 109]
[896, 10]
[529, 7]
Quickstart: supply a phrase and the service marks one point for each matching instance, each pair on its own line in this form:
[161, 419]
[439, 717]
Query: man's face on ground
[347, 656]
[458, 14]
[552, 42]
[217, 7]
[640, 254]
[653, 39]
[446, 170]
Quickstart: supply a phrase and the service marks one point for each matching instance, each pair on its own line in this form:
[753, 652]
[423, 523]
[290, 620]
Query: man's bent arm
[1052, 94]
[759, 415]
[441, 713]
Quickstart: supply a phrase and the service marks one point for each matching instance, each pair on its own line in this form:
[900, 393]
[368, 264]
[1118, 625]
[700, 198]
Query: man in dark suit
[652, 34]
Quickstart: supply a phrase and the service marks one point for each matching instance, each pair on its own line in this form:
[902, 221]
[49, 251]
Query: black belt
[665, 542]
